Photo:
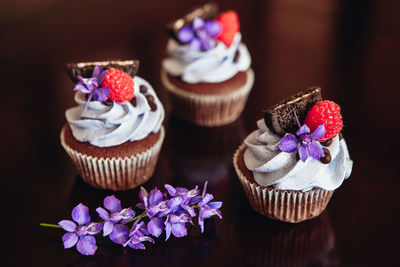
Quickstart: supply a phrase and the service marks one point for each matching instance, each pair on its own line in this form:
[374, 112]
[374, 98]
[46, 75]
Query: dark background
[350, 48]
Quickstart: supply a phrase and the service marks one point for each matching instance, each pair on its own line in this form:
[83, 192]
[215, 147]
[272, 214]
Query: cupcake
[114, 134]
[290, 166]
[207, 71]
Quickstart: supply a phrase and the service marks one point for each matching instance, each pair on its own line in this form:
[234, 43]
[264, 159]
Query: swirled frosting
[270, 166]
[104, 126]
[215, 65]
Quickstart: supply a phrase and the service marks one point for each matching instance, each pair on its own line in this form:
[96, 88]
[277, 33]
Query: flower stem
[142, 215]
[50, 225]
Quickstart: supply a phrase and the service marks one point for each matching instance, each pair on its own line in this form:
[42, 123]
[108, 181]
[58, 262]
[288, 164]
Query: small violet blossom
[137, 235]
[156, 207]
[306, 143]
[90, 85]
[175, 224]
[115, 215]
[160, 212]
[207, 208]
[183, 199]
[80, 231]
[200, 35]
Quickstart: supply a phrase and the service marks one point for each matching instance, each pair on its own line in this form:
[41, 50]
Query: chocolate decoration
[134, 102]
[153, 106]
[143, 89]
[85, 69]
[340, 136]
[208, 11]
[327, 142]
[327, 158]
[150, 98]
[280, 118]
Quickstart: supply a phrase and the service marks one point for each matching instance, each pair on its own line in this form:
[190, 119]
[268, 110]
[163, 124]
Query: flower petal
[155, 196]
[288, 143]
[101, 94]
[315, 150]
[303, 130]
[195, 44]
[171, 190]
[97, 70]
[69, 240]
[168, 228]
[112, 203]
[319, 132]
[100, 78]
[189, 209]
[198, 23]
[155, 226]
[123, 215]
[82, 88]
[103, 213]
[201, 223]
[108, 228]
[179, 229]
[195, 200]
[213, 28]
[86, 245]
[207, 198]
[80, 214]
[120, 233]
[185, 34]
[94, 228]
[215, 205]
[136, 246]
[174, 203]
[67, 225]
[303, 153]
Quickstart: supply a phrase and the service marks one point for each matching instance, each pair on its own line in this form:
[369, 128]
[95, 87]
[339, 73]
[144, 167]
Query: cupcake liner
[208, 110]
[284, 205]
[116, 173]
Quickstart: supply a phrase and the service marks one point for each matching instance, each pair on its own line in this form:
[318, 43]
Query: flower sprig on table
[160, 212]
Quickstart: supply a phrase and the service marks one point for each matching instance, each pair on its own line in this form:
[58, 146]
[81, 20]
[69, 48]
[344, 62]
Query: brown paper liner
[208, 110]
[284, 205]
[116, 173]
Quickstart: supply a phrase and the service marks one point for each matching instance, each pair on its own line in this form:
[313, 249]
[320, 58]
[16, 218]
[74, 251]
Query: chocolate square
[85, 69]
[280, 118]
[208, 11]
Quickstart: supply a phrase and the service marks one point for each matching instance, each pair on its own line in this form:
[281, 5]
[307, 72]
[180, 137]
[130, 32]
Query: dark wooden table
[350, 48]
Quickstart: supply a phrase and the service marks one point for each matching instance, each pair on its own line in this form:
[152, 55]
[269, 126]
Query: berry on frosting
[229, 21]
[120, 85]
[327, 113]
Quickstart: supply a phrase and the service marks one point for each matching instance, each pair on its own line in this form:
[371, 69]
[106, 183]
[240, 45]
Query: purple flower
[90, 85]
[200, 35]
[137, 235]
[306, 143]
[183, 199]
[156, 207]
[207, 208]
[80, 234]
[115, 215]
[175, 224]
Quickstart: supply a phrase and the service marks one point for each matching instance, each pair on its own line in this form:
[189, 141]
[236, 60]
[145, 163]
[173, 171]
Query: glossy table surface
[350, 48]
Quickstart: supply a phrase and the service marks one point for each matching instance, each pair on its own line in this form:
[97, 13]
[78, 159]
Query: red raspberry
[229, 21]
[327, 113]
[120, 84]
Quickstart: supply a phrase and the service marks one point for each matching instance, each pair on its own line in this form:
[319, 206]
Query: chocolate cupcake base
[111, 172]
[285, 205]
[209, 104]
